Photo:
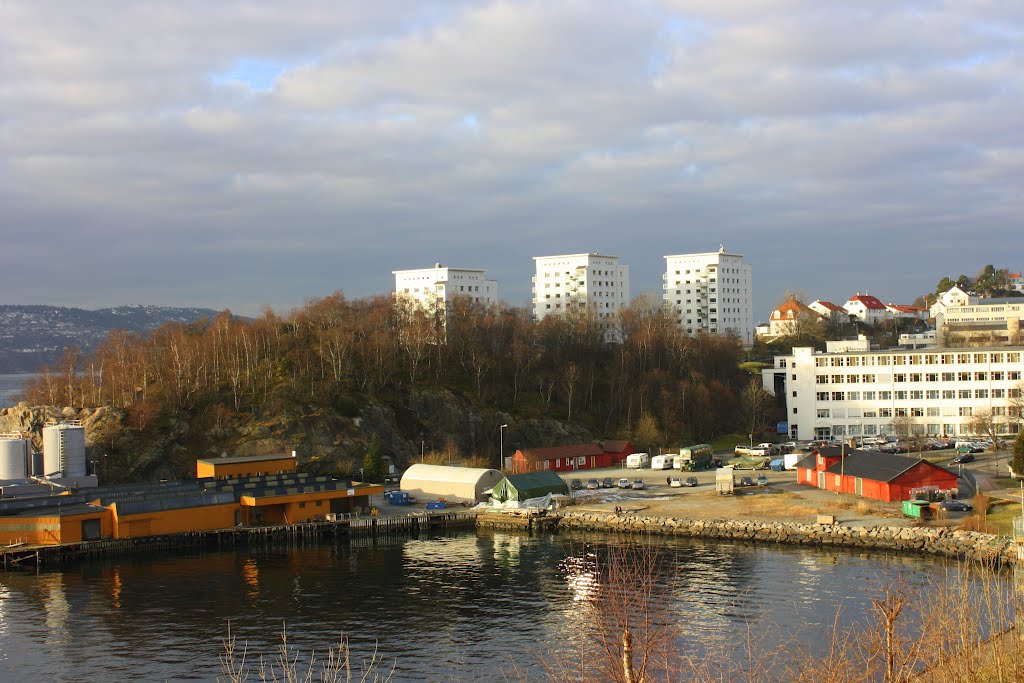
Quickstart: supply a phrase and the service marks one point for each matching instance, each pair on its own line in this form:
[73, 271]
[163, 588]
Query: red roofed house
[871, 474]
[901, 311]
[867, 308]
[787, 318]
[1016, 282]
[827, 309]
[583, 456]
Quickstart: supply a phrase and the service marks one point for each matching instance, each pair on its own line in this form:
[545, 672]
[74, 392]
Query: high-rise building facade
[711, 293]
[577, 281]
[432, 288]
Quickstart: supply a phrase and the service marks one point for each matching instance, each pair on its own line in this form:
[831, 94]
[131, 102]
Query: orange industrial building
[133, 511]
[245, 466]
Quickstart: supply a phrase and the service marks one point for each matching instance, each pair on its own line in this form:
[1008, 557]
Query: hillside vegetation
[322, 379]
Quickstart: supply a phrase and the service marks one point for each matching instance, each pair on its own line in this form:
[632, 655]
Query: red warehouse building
[584, 456]
[871, 474]
[619, 450]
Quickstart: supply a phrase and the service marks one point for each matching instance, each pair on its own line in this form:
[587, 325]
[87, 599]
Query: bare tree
[755, 404]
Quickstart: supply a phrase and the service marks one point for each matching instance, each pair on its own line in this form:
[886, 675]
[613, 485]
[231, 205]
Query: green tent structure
[520, 487]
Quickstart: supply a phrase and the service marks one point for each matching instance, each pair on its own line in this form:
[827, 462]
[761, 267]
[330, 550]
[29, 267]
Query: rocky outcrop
[940, 541]
[326, 440]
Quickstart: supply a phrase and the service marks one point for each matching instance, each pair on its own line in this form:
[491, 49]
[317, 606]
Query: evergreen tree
[1017, 462]
[373, 463]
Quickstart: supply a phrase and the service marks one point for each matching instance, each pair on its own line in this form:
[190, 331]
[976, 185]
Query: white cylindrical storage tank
[14, 457]
[64, 450]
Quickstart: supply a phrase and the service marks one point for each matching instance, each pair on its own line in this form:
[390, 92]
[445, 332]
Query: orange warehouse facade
[244, 466]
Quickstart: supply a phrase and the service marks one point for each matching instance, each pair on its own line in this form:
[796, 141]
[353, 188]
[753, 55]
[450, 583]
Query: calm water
[456, 608]
[10, 388]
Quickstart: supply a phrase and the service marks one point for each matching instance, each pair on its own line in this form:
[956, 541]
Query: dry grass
[289, 666]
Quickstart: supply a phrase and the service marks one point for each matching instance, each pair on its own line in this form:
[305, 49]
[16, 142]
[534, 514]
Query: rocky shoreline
[938, 541]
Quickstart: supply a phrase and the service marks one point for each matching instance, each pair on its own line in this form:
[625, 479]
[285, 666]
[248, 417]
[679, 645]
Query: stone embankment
[940, 541]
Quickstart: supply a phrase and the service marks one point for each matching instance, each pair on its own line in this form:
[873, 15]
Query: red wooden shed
[871, 474]
[583, 456]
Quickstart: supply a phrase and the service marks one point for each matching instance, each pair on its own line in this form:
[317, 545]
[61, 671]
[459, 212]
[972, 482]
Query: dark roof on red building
[878, 466]
[809, 462]
[614, 446]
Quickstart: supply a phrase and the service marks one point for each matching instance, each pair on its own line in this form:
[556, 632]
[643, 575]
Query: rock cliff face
[325, 441]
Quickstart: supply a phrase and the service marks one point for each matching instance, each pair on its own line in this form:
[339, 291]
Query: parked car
[607, 483]
[675, 482]
[623, 483]
[955, 506]
[575, 484]
[746, 481]
[691, 481]
[593, 484]
[637, 484]
[963, 458]
[762, 480]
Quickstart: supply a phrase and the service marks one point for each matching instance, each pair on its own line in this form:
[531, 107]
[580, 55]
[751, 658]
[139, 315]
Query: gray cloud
[870, 147]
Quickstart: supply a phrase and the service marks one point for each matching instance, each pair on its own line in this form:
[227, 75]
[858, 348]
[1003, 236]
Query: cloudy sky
[247, 154]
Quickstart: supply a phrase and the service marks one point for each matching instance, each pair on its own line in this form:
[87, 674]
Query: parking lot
[656, 481]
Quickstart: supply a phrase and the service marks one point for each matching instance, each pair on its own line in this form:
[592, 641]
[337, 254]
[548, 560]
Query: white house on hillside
[827, 309]
[951, 297]
[787, 318]
[711, 293]
[866, 308]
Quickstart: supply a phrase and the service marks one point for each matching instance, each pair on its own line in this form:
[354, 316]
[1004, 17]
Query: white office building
[576, 281]
[433, 288]
[711, 293]
[852, 391]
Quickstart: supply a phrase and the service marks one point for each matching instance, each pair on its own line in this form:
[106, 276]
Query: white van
[637, 460]
[663, 462]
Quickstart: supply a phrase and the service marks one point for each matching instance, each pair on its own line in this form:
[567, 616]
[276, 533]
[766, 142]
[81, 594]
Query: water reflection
[456, 608]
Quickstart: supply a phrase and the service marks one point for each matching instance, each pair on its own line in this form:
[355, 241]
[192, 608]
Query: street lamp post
[501, 446]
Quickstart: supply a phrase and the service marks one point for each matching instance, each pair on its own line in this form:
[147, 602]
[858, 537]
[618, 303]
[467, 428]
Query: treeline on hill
[338, 353]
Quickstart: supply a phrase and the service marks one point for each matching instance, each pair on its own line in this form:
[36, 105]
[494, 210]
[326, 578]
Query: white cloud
[270, 154]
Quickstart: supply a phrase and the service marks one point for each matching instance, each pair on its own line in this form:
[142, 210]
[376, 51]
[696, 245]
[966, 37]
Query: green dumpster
[918, 509]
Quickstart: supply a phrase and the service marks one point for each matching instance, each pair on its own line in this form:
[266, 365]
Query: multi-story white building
[992, 321]
[576, 281]
[852, 391]
[711, 293]
[433, 288]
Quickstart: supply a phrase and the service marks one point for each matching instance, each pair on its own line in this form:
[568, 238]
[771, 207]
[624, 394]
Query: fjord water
[457, 608]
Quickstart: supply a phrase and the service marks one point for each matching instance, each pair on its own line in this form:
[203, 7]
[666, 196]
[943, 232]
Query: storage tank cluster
[64, 450]
[15, 457]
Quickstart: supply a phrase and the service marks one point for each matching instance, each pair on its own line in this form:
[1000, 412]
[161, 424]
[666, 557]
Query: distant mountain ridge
[33, 336]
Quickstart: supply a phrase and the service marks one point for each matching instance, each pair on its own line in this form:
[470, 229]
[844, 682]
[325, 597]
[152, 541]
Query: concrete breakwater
[939, 541]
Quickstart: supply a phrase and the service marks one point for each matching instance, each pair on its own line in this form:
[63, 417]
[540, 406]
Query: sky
[243, 155]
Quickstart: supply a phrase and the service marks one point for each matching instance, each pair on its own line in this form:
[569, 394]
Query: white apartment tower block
[711, 293]
[433, 288]
[575, 281]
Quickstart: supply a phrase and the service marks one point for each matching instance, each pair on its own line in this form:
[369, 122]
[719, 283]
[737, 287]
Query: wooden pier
[55, 556]
[519, 520]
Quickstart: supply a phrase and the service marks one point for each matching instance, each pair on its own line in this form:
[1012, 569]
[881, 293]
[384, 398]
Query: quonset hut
[455, 484]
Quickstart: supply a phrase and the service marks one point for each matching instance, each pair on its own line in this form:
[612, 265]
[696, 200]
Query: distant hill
[33, 336]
